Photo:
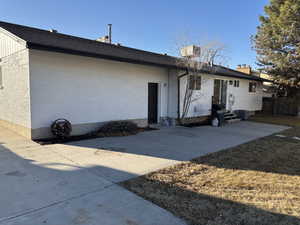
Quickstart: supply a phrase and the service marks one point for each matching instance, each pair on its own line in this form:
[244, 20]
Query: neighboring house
[268, 88]
[46, 75]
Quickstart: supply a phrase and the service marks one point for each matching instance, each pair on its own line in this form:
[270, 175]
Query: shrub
[118, 128]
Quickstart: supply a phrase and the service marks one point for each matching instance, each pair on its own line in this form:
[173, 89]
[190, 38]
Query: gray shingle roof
[46, 40]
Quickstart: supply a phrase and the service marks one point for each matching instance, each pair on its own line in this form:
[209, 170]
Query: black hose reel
[61, 128]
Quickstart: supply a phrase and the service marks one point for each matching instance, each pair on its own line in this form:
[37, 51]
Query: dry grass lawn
[257, 183]
[280, 120]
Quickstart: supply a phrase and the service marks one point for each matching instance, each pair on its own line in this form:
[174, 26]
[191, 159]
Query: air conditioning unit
[190, 51]
[104, 39]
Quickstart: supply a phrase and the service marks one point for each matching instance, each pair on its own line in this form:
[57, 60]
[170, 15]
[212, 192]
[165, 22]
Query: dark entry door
[152, 102]
[220, 92]
[224, 93]
[217, 95]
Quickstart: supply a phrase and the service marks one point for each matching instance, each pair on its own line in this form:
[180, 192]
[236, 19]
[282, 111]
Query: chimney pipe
[109, 33]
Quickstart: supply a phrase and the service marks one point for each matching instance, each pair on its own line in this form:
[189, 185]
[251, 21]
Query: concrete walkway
[76, 183]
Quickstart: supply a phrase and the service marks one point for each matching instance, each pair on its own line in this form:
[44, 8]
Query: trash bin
[221, 117]
[217, 112]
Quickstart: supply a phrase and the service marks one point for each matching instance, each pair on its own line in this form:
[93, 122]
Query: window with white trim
[194, 82]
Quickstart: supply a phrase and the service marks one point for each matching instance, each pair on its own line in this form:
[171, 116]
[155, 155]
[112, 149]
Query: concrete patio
[76, 183]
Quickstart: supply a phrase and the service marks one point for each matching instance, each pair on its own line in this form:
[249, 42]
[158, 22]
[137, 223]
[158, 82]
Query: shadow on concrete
[35, 180]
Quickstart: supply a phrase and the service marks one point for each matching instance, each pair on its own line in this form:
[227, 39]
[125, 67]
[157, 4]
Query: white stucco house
[47, 75]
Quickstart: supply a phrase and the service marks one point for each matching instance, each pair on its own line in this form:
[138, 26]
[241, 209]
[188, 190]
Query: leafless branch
[206, 56]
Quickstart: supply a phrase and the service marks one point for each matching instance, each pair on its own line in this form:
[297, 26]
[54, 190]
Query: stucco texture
[14, 94]
[10, 44]
[88, 90]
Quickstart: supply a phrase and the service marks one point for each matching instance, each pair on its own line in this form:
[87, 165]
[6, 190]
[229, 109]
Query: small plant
[118, 128]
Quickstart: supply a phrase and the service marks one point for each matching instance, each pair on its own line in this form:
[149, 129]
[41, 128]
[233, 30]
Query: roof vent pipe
[109, 33]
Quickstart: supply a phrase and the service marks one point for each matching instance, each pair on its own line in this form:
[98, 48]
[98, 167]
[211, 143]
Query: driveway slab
[111, 206]
[121, 158]
[41, 186]
[75, 183]
[28, 184]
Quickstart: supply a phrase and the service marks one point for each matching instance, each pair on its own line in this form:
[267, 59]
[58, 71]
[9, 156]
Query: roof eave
[93, 55]
[35, 46]
[240, 77]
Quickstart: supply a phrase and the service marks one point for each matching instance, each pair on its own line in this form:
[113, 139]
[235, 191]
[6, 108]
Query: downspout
[178, 93]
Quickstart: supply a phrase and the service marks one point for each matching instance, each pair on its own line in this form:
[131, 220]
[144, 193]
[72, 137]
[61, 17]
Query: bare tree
[195, 59]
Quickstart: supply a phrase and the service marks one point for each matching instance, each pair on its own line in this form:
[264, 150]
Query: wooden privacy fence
[282, 106]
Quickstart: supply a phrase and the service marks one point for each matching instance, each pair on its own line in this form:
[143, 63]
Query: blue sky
[152, 25]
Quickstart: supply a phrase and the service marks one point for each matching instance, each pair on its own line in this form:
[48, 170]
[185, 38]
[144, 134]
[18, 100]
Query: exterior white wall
[88, 90]
[9, 43]
[243, 99]
[173, 93]
[202, 99]
[14, 95]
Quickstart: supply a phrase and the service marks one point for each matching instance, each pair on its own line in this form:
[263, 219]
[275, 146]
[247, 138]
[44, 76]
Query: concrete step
[231, 117]
[229, 113]
[233, 120]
